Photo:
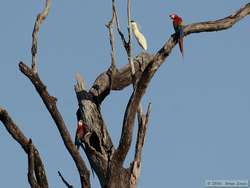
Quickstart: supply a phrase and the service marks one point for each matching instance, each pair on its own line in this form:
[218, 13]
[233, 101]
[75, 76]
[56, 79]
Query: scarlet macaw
[178, 27]
[80, 133]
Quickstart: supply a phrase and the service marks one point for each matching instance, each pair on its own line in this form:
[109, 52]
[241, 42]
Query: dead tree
[106, 160]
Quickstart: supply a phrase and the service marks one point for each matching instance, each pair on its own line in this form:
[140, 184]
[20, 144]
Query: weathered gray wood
[107, 161]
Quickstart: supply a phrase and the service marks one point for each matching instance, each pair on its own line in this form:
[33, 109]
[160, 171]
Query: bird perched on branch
[138, 35]
[178, 27]
[80, 133]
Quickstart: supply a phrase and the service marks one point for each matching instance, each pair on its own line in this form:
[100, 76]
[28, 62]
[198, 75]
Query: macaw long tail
[180, 41]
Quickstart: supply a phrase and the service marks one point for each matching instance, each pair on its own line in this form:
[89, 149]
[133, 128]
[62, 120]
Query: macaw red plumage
[178, 27]
[80, 133]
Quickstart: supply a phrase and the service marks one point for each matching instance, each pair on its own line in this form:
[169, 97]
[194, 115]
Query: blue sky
[200, 123]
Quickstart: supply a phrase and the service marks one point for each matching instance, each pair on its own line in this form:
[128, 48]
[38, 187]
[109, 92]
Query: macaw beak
[170, 16]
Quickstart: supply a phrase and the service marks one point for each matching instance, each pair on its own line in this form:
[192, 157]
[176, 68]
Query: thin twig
[64, 180]
[125, 43]
[39, 19]
[130, 58]
[111, 35]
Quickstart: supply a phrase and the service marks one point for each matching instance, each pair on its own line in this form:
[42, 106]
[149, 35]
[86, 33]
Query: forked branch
[50, 103]
[143, 74]
[35, 162]
[157, 60]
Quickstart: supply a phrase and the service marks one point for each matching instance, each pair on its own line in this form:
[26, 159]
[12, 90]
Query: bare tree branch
[125, 43]
[130, 58]
[119, 78]
[107, 166]
[112, 70]
[39, 19]
[50, 103]
[31, 178]
[209, 26]
[123, 78]
[142, 131]
[89, 158]
[64, 180]
[111, 34]
[98, 145]
[141, 134]
[156, 62]
[17, 134]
